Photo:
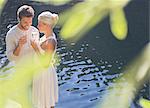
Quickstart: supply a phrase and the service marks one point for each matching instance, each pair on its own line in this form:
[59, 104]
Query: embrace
[22, 41]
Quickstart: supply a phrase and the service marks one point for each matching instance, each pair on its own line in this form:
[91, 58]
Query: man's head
[25, 15]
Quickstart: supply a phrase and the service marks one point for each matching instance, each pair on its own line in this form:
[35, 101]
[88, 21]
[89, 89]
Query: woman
[45, 84]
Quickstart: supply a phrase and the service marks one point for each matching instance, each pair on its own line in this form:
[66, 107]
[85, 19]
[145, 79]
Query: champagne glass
[34, 35]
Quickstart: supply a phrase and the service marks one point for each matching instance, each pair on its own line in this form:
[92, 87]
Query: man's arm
[21, 42]
[10, 47]
[13, 50]
[17, 50]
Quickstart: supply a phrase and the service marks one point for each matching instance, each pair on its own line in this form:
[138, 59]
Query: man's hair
[25, 11]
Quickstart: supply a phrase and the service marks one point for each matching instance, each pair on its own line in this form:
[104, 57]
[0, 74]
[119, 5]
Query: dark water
[88, 68]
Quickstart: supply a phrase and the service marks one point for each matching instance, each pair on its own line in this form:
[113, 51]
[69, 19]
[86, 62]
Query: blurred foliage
[86, 14]
[2, 4]
[55, 2]
[118, 23]
[14, 87]
[126, 87]
[76, 22]
[145, 103]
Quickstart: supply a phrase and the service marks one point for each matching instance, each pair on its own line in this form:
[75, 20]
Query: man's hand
[22, 41]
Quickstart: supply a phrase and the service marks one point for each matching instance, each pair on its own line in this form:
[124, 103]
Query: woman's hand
[34, 45]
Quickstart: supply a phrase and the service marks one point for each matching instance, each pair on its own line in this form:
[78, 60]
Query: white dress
[45, 85]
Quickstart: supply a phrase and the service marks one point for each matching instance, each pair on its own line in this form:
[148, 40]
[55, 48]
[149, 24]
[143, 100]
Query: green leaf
[118, 3]
[2, 3]
[145, 103]
[75, 24]
[127, 85]
[118, 23]
[55, 2]
[59, 2]
[83, 17]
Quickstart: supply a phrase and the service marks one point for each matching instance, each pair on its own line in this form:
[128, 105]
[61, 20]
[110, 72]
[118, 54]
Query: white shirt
[12, 39]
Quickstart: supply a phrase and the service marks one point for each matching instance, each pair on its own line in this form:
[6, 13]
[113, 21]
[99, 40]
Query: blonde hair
[48, 18]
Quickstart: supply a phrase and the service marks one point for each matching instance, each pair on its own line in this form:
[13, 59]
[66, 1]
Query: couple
[22, 40]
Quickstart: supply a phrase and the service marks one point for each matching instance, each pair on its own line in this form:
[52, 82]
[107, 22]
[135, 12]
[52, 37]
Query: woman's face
[42, 26]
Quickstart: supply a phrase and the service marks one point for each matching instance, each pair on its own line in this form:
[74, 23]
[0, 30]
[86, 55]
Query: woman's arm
[48, 55]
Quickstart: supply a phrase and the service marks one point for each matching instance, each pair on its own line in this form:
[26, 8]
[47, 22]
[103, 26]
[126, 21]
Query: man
[18, 48]
[18, 37]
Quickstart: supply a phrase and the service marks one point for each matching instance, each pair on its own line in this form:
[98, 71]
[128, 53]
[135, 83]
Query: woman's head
[47, 19]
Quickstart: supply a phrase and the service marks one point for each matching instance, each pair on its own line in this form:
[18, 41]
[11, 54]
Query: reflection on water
[81, 81]
[83, 74]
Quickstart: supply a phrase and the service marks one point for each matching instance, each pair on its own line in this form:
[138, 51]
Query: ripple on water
[80, 80]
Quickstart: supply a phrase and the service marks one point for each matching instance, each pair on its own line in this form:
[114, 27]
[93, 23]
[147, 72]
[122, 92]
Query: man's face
[26, 22]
